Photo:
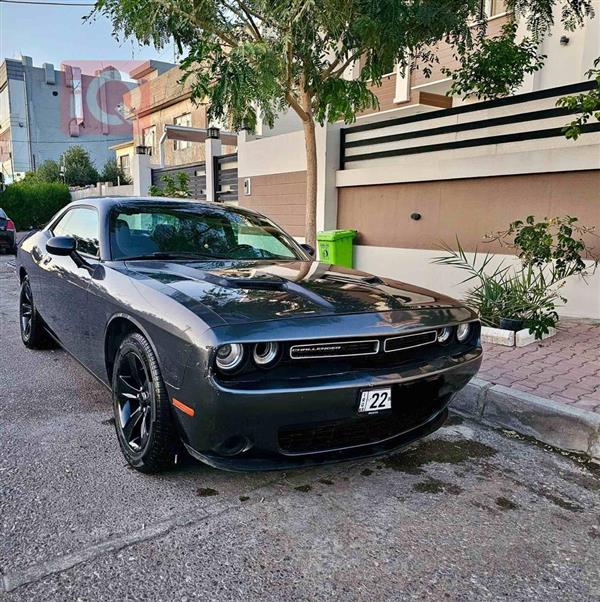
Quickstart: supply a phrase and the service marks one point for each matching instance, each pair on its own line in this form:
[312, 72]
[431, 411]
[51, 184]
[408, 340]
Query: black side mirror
[61, 245]
[66, 246]
[310, 250]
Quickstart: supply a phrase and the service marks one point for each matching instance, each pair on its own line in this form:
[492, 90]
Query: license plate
[375, 400]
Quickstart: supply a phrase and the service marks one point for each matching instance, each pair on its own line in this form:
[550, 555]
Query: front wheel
[143, 419]
[33, 334]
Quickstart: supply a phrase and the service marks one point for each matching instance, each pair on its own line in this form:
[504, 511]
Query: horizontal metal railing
[393, 137]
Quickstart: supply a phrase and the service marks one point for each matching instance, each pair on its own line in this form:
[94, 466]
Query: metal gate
[226, 178]
[225, 169]
[196, 174]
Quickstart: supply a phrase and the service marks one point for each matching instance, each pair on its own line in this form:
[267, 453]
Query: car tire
[143, 418]
[33, 332]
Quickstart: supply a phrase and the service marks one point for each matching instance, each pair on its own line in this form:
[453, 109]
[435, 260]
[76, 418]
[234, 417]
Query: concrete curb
[548, 421]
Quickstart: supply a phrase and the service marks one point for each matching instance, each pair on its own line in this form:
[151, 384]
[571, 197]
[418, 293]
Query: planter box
[508, 338]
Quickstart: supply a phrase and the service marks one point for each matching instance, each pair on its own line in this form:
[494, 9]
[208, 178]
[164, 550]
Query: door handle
[46, 260]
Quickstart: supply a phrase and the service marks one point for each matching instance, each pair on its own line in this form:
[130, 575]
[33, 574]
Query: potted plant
[513, 324]
[525, 295]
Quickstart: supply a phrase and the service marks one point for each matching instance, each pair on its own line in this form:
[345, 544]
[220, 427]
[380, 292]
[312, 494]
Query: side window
[82, 225]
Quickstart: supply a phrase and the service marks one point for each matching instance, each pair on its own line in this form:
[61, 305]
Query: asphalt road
[468, 514]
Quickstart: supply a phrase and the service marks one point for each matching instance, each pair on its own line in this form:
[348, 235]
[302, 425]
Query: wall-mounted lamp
[212, 133]
[564, 40]
[416, 216]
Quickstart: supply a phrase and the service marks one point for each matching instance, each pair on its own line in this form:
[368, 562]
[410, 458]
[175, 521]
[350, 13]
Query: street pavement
[469, 513]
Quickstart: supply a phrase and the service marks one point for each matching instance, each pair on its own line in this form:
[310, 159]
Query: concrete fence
[102, 189]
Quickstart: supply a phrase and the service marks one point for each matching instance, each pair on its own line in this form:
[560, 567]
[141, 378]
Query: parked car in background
[218, 333]
[8, 234]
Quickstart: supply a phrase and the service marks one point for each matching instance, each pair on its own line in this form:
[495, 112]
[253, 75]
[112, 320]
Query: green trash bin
[335, 246]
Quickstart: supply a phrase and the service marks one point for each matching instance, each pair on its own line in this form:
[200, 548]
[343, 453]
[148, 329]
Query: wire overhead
[40, 3]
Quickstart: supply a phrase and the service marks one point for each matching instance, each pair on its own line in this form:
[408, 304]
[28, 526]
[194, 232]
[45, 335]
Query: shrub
[31, 204]
[48, 171]
[79, 169]
[550, 252]
[177, 186]
[112, 172]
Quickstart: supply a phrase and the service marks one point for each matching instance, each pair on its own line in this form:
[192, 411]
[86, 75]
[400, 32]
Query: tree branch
[295, 104]
[345, 65]
[249, 14]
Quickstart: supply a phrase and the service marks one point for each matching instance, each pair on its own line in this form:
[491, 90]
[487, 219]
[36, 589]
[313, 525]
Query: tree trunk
[310, 141]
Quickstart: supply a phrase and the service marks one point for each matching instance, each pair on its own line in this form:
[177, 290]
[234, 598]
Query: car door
[64, 286]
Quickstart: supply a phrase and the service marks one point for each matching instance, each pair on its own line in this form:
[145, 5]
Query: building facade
[162, 99]
[426, 169]
[44, 111]
[124, 153]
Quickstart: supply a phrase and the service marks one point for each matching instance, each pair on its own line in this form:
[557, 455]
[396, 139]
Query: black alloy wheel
[143, 417]
[26, 310]
[33, 333]
[133, 398]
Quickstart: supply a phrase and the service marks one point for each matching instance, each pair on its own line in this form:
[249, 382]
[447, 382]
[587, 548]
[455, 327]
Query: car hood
[255, 291]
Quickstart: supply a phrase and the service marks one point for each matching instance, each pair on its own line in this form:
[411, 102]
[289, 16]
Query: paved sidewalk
[564, 368]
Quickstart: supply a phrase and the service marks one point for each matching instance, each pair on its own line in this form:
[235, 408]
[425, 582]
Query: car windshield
[197, 232]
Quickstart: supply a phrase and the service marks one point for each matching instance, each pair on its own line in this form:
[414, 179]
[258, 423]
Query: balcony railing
[530, 116]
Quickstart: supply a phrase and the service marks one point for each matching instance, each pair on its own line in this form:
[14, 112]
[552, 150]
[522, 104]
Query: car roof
[105, 203]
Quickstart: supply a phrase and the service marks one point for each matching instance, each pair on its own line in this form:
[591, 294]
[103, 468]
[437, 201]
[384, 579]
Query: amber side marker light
[181, 406]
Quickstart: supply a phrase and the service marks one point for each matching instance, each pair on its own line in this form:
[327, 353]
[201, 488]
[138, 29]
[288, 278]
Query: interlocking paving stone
[564, 368]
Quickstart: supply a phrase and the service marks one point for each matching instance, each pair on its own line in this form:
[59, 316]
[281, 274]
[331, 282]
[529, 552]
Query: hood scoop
[259, 281]
[372, 280]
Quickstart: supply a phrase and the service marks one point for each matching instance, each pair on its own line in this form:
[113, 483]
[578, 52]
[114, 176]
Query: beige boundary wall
[466, 208]
[415, 266]
[392, 244]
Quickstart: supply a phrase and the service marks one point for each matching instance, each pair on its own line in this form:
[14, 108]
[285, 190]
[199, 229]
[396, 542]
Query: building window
[149, 138]
[494, 7]
[186, 121]
[125, 165]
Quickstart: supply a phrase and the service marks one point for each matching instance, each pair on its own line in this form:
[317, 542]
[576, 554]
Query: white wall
[272, 155]
[102, 190]
[415, 267]
[568, 64]
[286, 122]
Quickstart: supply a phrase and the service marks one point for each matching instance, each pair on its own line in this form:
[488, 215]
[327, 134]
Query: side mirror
[310, 250]
[66, 246]
[61, 245]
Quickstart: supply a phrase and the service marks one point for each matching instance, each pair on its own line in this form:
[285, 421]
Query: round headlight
[444, 334]
[265, 353]
[230, 356]
[462, 332]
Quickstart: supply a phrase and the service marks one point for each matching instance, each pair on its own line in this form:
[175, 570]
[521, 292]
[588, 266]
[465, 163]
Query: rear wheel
[143, 419]
[33, 333]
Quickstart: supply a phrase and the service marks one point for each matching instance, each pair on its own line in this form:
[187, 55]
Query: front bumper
[283, 427]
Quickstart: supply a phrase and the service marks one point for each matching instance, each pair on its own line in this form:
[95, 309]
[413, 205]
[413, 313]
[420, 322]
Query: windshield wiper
[167, 255]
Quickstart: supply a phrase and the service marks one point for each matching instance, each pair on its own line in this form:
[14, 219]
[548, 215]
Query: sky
[55, 34]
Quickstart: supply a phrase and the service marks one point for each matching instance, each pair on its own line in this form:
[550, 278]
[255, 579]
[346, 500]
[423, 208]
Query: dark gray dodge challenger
[218, 333]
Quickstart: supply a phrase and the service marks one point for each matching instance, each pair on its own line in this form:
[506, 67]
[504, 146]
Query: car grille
[420, 403]
[334, 349]
[409, 341]
[345, 348]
